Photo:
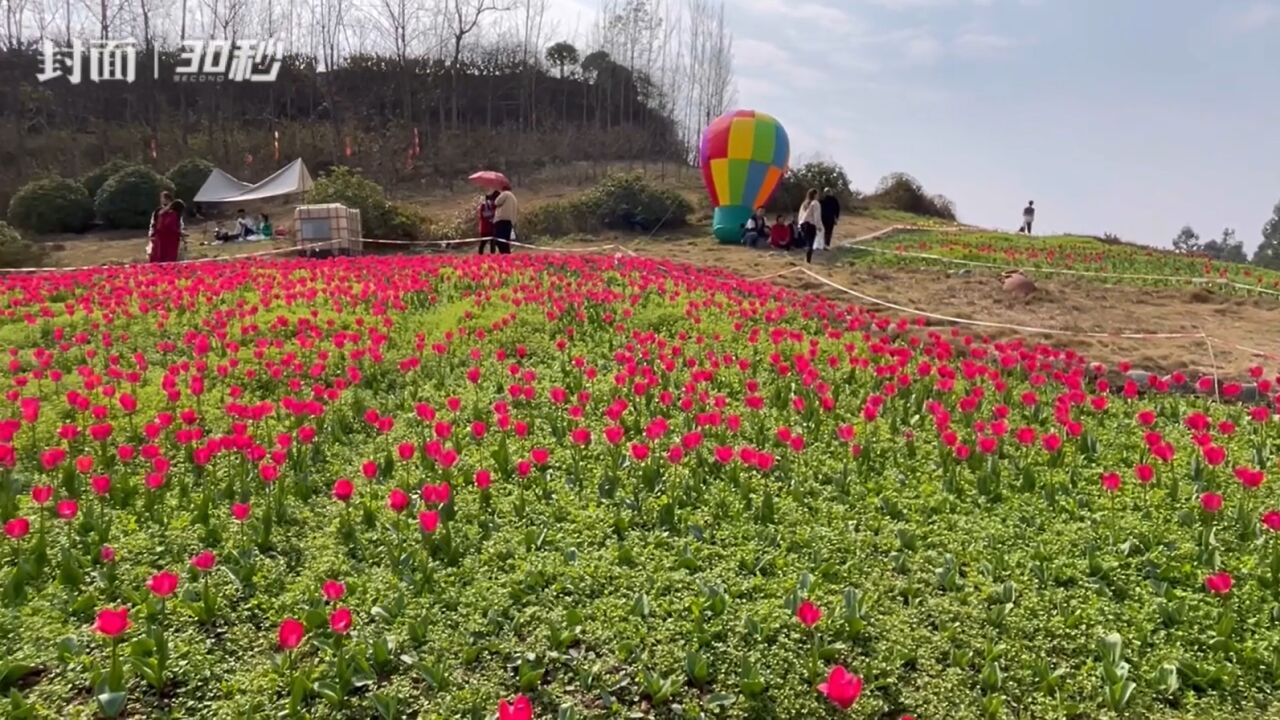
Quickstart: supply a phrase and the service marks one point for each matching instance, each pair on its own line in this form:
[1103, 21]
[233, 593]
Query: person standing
[810, 217]
[830, 216]
[167, 234]
[506, 213]
[166, 198]
[484, 215]
[1028, 217]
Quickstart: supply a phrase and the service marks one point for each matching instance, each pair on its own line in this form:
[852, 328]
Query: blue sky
[1127, 116]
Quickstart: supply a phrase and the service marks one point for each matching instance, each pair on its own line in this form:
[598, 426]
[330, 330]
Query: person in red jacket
[780, 234]
[484, 217]
[167, 234]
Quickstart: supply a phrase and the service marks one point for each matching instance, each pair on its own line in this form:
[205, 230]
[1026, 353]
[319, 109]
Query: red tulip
[340, 621]
[67, 509]
[240, 511]
[41, 494]
[483, 479]
[1271, 519]
[333, 590]
[1218, 583]
[163, 583]
[342, 489]
[1111, 482]
[17, 528]
[1144, 473]
[518, 709]
[397, 500]
[1211, 502]
[841, 687]
[107, 554]
[808, 614]
[204, 560]
[429, 520]
[100, 484]
[290, 634]
[112, 623]
[370, 470]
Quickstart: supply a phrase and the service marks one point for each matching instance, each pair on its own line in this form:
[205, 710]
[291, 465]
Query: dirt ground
[1238, 325]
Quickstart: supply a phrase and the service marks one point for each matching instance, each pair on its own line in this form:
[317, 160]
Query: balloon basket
[727, 223]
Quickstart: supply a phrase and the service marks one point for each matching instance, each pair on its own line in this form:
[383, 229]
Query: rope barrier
[219, 258]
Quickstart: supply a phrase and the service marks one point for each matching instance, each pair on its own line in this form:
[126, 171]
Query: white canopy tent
[292, 179]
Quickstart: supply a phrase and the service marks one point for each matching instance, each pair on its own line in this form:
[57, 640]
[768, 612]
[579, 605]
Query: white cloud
[1242, 18]
[827, 17]
[750, 52]
[923, 49]
[983, 43]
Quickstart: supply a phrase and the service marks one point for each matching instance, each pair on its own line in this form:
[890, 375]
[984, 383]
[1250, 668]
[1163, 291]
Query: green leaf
[531, 679]
[386, 705]
[111, 703]
[12, 672]
[721, 700]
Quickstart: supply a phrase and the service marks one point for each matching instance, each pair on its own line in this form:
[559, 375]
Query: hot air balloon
[744, 154]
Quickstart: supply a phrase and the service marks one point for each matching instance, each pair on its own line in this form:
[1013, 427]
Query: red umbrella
[490, 179]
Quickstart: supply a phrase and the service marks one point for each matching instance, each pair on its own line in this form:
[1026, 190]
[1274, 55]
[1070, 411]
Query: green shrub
[619, 202]
[127, 199]
[187, 177]
[380, 219]
[900, 191]
[50, 205]
[818, 176]
[94, 181]
[17, 251]
[629, 202]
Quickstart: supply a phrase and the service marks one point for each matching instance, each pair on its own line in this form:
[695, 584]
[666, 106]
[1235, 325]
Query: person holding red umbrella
[484, 216]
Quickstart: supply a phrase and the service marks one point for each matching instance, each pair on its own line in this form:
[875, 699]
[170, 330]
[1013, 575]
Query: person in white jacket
[810, 218]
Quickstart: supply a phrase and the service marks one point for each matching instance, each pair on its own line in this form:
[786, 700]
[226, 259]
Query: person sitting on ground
[244, 229]
[756, 229]
[780, 234]
[264, 231]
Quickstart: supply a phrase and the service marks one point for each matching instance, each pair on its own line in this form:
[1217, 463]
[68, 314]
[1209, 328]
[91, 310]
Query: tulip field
[542, 486]
[1072, 254]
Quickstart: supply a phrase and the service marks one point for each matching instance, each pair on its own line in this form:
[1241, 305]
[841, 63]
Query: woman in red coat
[168, 234]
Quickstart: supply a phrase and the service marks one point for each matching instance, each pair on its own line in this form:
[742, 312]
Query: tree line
[406, 89]
[1227, 248]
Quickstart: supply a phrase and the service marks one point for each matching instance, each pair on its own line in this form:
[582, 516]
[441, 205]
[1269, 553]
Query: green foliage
[1268, 253]
[17, 251]
[818, 176]
[187, 177]
[94, 181]
[619, 202]
[900, 191]
[380, 219]
[51, 205]
[1187, 240]
[562, 55]
[127, 199]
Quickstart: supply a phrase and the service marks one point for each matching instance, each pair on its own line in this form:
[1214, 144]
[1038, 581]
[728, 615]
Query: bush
[900, 191]
[50, 205]
[17, 251]
[127, 199]
[380, 219]
[812, 176]
[187, 177]
[94, 181]
[629, 202]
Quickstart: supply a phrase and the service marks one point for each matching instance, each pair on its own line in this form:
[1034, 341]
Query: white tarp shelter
[292, 179]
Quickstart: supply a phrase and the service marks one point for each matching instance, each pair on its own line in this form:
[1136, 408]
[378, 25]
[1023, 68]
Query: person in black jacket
[830, 216]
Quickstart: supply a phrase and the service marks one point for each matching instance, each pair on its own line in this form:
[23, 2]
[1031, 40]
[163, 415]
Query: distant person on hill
[484, 220]
[167, 234]
[780, 234]
[810, 217]
[506, 213]
[756, 229]
[830, 216]
[1028, 217]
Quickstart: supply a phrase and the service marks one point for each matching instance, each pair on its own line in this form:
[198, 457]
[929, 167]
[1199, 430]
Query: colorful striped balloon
[744, 155]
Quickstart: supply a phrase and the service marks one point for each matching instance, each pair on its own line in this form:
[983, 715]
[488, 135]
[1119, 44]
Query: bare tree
[463, 16]
[14, 20]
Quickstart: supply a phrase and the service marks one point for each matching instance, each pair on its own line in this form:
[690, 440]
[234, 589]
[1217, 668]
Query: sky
[1134, 117]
